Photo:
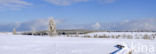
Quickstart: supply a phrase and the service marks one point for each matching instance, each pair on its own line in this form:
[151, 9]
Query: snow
[23, 44]
[123, 33]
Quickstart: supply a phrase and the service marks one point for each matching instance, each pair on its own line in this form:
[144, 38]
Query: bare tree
[33, 30]
[14, 31]
[77, 34]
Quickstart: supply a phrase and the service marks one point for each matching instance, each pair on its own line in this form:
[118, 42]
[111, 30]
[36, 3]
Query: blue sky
[79, 11]
[74, 13]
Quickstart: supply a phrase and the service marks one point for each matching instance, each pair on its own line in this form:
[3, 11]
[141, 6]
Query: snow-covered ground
[22, 44]
[124, 33]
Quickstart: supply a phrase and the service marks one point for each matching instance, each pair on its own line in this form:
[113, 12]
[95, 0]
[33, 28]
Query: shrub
[129, 37]
[146, 37]
[113, 36]
[95, 36]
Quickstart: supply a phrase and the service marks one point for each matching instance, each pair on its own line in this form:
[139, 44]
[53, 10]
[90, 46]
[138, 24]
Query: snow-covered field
[22, 44]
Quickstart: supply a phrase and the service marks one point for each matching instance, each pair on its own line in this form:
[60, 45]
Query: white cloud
[17, 24]
[18, 4]
[110, 1]
[65, 2]
[106, 1]
[37, 24]
[69, 2]
[41, 24]
[13, 4]
[97, 25]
